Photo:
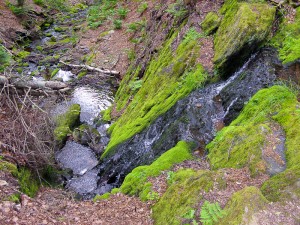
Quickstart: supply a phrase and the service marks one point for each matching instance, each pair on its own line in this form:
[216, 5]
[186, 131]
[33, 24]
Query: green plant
[178, 10]
[17, 9]
[39, 2]
[153, 196]
[4, 58]
[122, 12]
[143, 7]
[170, 177]
[211, 213]
[136, 84]
[117, 24]
[190, 216]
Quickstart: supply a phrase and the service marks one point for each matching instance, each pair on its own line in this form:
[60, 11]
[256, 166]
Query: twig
[90, 68]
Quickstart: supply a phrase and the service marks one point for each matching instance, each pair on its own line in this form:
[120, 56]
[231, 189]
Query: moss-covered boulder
[183, 195]
[287, 39]
[211, 23]
[66, 122]
[170, 76]
[136, 183]
[242, 205]
[244, 27]
[86, 134]
[240, 144]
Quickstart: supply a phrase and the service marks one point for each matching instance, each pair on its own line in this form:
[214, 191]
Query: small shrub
[178, 10]
[117, 24]
[39, 2]
[211, 213]
[143, 7]
[122, 12]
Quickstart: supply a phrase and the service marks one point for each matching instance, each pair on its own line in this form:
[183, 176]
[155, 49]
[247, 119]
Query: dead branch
[34, 84]
[90, 68]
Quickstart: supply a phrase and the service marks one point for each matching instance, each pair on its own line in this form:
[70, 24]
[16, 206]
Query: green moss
[8, 167]
[66, 122]
[4, 59]
[54, 72]
[81, 74]
[23, 54]
[106, 114]
[14, 198]
[101, 197]
[243, 27]
[170, 76]
[182, 196]
[242, 205]
[211, 23]
[240, 144]
[28, 183]
[287, 39]
[136, 183]
[115, 191]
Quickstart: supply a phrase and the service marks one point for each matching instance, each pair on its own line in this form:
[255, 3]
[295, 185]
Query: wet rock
[187, 121]
[76, 157]
[84, 184]
[244, 27]
[86, 135]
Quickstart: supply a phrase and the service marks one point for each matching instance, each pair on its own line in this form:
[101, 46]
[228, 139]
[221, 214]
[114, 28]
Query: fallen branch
[90, 68]
[34, 84]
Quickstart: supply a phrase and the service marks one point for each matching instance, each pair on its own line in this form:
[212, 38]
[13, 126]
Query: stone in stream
[84, 184]
[76, 157]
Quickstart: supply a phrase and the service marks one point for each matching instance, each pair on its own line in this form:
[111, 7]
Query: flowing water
[195, 118]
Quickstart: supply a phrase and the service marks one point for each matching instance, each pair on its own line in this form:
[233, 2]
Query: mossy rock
[242, 205]
[287, 40]
[211, 23]
[28, 183]
[239, 144]
[170, 76]
[86, 134]
[183, 195]
[135, 183]
[66, 122]
[244, 27]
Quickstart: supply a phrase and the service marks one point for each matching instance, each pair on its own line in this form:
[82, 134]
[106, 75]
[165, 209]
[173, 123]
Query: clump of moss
[250, 198]
[240, 144]
[4, 59]
[169, 77]
[136, 183]
[23, 54]
[66, 122]
[211, 23]
[287, 39]
[28, 183]
[101, 197]
[243, 28]
[182, 195]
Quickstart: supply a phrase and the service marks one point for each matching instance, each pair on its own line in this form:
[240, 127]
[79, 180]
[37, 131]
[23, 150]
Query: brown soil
[53, 206]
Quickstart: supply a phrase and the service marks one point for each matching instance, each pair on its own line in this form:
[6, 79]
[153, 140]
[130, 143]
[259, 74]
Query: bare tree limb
[90, 68]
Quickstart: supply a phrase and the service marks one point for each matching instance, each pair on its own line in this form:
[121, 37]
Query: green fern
[211, 213]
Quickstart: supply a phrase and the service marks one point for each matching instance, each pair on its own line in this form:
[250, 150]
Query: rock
[76, 157]
[66, 122]
[86, 134]
[244, 27]
[3, 183]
